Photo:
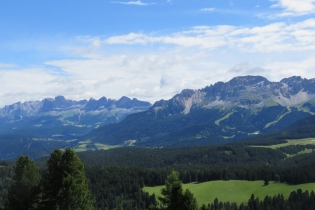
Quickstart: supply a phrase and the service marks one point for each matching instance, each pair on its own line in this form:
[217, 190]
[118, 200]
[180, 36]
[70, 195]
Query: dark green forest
[117, 176]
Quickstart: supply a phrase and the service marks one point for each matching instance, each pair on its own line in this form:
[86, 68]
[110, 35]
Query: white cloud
[275, 37]
[107, 81]
[147, 77]
[304, 68]
[139, 3]
[207, 9]
[26, 84]
[294, 7]
[157, 66]
[5, 65]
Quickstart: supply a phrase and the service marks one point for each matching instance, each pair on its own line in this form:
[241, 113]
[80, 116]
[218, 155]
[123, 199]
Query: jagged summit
[52, 117]
[60, 103]
[247, 80]
[219, 113]
[244, 91]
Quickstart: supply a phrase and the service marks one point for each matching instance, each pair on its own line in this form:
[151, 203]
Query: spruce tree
[65, 185]
[174, 198]
[24, 188]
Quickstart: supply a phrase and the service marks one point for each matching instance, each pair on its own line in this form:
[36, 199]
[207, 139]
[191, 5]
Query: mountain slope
[301, 129]
[219, 113]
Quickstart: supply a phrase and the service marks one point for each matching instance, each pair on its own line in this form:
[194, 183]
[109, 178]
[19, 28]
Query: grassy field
[82, 147]
[104, 146]
[235, 190]
[217, 122]
[292, 142]
[278, 118]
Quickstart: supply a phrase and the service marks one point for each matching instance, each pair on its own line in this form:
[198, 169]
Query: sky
[148, 49]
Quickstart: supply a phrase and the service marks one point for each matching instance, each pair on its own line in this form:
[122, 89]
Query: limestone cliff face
[251, 92]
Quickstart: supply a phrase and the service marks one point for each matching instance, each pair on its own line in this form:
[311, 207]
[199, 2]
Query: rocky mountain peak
[60, 99]
[125, 102]
[292, 80]
[247, 80]
[250, 92]
[294, 85]
[20, 110]
[187, 93]
[58, 103]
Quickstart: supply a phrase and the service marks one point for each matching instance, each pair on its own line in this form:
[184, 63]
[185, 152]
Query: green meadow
[235, 190]
[305, 141]
[82, 146]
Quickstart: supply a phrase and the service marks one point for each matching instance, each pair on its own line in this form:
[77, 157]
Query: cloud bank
[139, 3]
[275, 37]
[152, 66]
[294, 7]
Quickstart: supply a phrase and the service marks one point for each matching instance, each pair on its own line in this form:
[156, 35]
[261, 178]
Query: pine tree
[65, 185]
[189, 201]
[23, 191]
[174, 198]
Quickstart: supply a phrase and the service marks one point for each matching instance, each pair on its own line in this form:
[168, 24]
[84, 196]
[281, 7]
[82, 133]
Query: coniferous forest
[115, 177]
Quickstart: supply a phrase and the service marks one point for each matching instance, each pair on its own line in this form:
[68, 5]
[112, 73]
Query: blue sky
[148, 49]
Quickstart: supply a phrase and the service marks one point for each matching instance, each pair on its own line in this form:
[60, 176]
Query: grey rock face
[250, 92]
[20, 111]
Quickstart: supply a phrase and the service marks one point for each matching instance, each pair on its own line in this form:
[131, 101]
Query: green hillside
[199, 127]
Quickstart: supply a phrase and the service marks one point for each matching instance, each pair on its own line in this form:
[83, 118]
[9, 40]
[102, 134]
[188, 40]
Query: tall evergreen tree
[22, 193]
[174, 198]
[65, 185]
[189, 201]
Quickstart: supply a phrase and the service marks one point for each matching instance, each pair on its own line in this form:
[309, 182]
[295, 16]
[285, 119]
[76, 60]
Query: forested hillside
[117, 176]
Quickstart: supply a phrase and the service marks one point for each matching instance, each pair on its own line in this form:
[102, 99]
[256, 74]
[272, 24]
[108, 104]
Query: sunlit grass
[294, 142]
[235, 190]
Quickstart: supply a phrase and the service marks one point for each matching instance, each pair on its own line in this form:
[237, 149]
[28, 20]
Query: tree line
[297, 200]
[120, 187]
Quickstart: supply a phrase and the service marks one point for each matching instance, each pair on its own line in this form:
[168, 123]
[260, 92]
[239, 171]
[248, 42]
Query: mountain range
[60, 118]
[219, 113]
[223, 112]
[35, 128]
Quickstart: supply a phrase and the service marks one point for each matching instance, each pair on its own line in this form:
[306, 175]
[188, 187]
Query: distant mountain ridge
[60, 103]
[225, 111]
[35, 128]
[246, 92]
[61, 114]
